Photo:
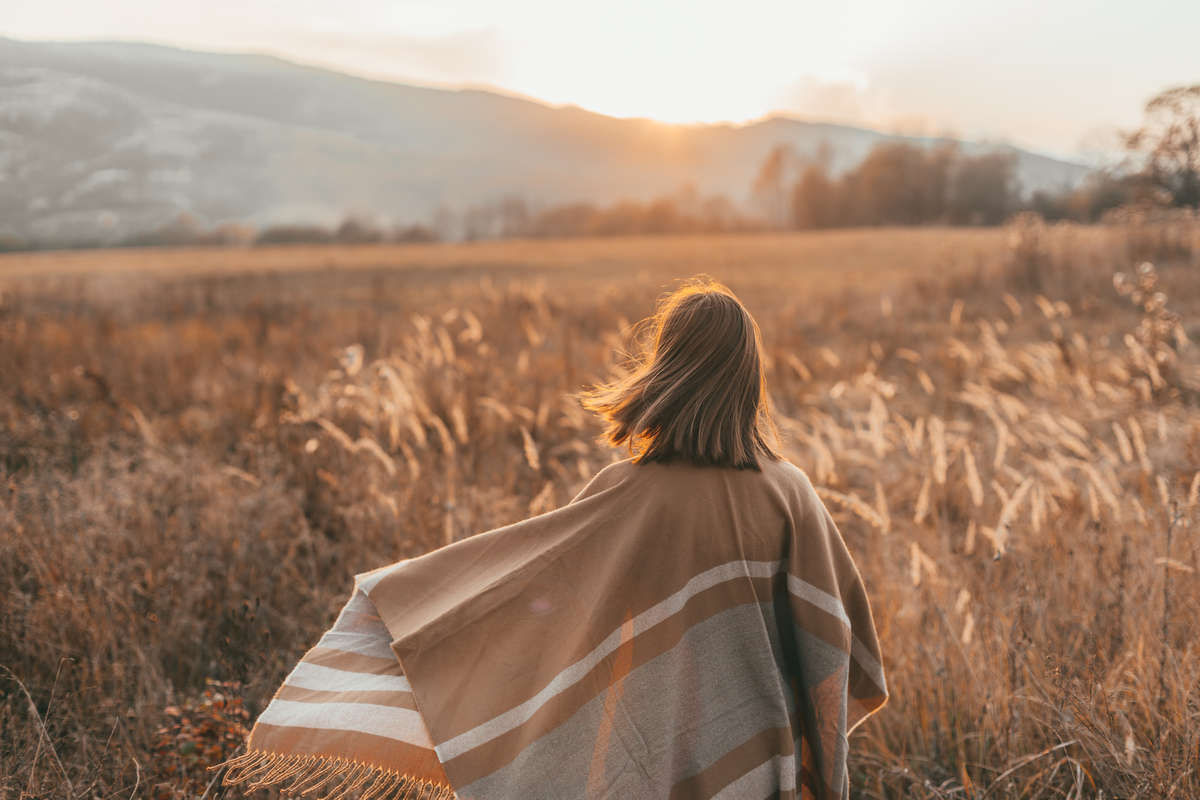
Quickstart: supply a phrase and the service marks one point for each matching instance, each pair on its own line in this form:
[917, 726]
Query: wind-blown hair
[699, 392]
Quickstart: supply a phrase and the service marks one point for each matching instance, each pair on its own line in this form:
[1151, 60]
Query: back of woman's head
[698, 392]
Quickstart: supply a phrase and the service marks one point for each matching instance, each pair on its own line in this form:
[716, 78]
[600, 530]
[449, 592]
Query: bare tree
[772, 185]
[514, 216]
[1169, 141]
[814, 200]
[983, 189]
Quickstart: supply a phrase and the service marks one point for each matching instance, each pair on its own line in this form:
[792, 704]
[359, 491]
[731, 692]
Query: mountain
[99, 140]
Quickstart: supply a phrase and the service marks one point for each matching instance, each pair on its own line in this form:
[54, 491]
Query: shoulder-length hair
[698, 390]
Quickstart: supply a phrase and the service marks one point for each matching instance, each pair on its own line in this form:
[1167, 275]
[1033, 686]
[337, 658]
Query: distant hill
[101, 140]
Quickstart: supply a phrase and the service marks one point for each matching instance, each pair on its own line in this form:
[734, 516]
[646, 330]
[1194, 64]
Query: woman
[690, 625]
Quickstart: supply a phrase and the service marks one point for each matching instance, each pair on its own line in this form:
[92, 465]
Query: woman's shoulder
[789, 481]
[785, 474]
[780, 474]
[606, 478]
[615, 472]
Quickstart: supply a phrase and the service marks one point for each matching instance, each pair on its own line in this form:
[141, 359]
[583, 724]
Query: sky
[1059, 76]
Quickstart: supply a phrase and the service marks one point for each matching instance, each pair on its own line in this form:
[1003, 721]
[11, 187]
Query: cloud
[834, 101]
[850, 102]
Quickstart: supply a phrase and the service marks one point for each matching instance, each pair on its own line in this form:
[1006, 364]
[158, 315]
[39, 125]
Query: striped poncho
[675, 631]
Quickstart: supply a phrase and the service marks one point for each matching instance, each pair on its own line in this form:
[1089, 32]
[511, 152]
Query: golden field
[199, 448]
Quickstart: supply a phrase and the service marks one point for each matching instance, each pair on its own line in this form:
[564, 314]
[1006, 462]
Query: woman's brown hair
[699, 392]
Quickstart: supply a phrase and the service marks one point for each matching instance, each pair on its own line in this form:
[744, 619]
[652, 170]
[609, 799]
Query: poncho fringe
[306, 774]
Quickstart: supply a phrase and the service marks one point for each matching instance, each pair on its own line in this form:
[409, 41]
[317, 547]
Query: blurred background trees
[898, 182]
[1169, 144]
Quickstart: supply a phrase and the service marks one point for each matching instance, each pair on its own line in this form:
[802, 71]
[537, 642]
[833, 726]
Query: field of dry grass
[198, 449]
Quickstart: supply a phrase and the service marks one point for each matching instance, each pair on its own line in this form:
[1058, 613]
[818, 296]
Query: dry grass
[199, 448]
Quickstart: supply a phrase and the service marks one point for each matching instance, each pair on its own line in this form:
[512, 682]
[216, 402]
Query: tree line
[683, 212]
[898, 183]
[1162, 168]
[186, 230]
[901, 183]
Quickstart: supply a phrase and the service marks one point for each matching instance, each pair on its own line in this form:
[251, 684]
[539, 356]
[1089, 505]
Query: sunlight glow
[1028, 71]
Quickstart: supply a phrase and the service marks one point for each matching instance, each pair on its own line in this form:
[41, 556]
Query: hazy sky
[1056, 75]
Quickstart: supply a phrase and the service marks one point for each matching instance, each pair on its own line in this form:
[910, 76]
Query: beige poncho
[673, 632]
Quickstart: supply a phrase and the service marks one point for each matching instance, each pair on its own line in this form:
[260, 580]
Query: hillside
[100, 140]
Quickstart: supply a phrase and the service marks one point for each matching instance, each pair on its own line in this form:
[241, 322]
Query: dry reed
[194, 465]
